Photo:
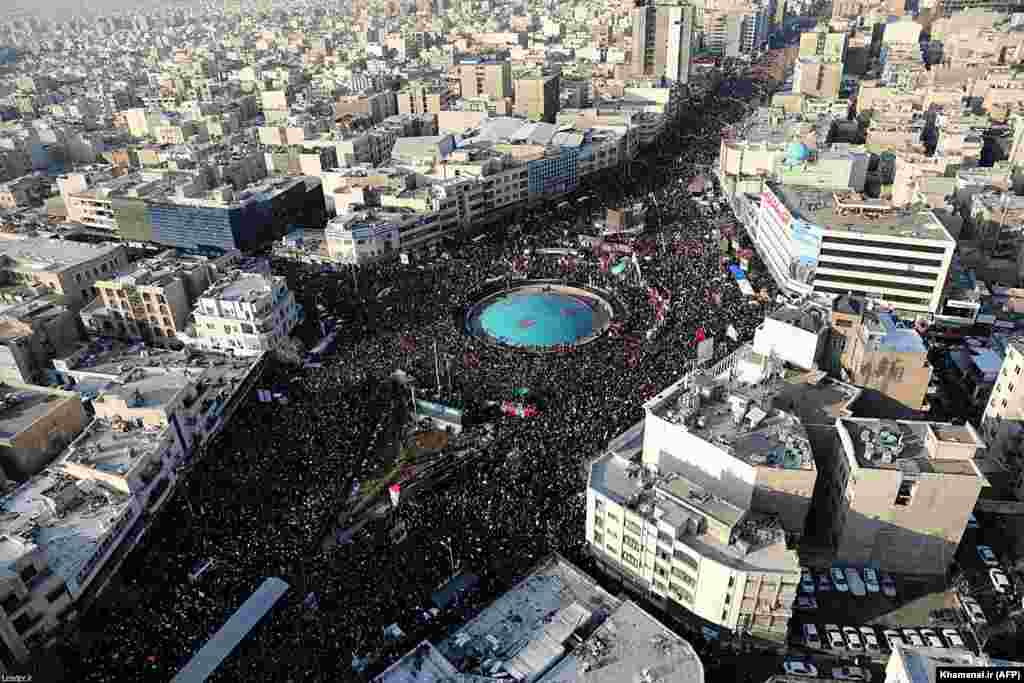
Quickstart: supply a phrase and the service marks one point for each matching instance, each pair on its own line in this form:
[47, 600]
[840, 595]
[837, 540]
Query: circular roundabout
[541, 316]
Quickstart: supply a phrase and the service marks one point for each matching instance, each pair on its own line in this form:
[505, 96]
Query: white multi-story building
[245, 313]
[697, 505]
[841, 242]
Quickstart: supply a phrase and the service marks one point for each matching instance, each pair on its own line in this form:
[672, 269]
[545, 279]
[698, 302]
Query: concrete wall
[33, 449]
[920, 538]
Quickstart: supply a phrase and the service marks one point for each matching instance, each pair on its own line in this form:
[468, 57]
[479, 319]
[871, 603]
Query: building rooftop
[21, 406]
[913, 447]
[66, 516]
[113, 447]
[630, 645]
[528, 629]
[758, 543]
[739, 419]
[889, 336]
[849, 212]
[809, 318]
[243, 287]
[42, 254]
[921, 663]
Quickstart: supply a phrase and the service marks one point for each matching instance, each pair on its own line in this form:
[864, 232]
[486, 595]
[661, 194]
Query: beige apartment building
[696, 505]
[492, 78]
[422, 99]
[536, 96]
[901, 492]
[152, 301]
[36, 423]
[815, 77]
[888, 360]
[62, 267]
[1002, 423]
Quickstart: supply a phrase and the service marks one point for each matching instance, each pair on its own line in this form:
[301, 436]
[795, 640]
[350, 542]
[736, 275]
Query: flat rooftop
[66, 516]
[21, 406]
[891, 337]
[111, 447]
[808, 318]
[819, 208]
[47, 255]
[672, 498]
[921, 662]
[110, 359]
[902, 445]
[239, 287]
[526, 630]
[630, 645]
[733, 416]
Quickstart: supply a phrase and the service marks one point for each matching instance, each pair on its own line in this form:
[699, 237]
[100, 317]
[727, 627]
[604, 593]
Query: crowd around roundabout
[270, 486]
[538, 315]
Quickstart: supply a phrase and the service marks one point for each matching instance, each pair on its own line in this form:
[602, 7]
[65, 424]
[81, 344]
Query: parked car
[799, 667]
[988, 556]
[1000, 581]
[811, 638]
[806, 602]
[839, 580]
[852, 638]
[851, 673]
[824, 585]
[871, 580]
[913, 637]
[931, 639]
[806, 580]
[835, 637]
[892, 638]
[888, 586]
[855, 582]
[870, 639]
[973, 610]
[953, 638]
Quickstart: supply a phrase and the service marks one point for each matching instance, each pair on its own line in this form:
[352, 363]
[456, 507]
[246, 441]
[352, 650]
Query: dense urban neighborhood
[463, 340]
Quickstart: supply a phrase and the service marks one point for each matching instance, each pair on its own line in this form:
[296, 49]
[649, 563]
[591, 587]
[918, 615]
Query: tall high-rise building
[480, 76]
[537, 96]
[662, 40]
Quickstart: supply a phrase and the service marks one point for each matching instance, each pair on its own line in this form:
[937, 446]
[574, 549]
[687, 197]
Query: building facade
[245, 314]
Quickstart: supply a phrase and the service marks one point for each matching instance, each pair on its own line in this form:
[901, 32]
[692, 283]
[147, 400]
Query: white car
[1000, 581]
[888, 586]
[855, 582]
[871, 580]
[806, 602]
[931, 638]
[850, 673]
[953, 638]
[988, 556]
[870, 639]
[912, 637]
[852, 638]
[835, 637]
[892, 638]
[975, 614]
[806, 580]
[800, 667]
[839, 580]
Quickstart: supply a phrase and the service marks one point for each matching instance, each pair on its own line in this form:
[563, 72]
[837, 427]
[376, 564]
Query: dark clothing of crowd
[270, 487]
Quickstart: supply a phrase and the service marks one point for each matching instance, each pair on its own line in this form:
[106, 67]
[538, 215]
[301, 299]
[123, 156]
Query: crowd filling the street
[269, 489]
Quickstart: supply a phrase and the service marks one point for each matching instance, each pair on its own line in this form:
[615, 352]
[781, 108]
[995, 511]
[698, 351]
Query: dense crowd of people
[270, 487]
